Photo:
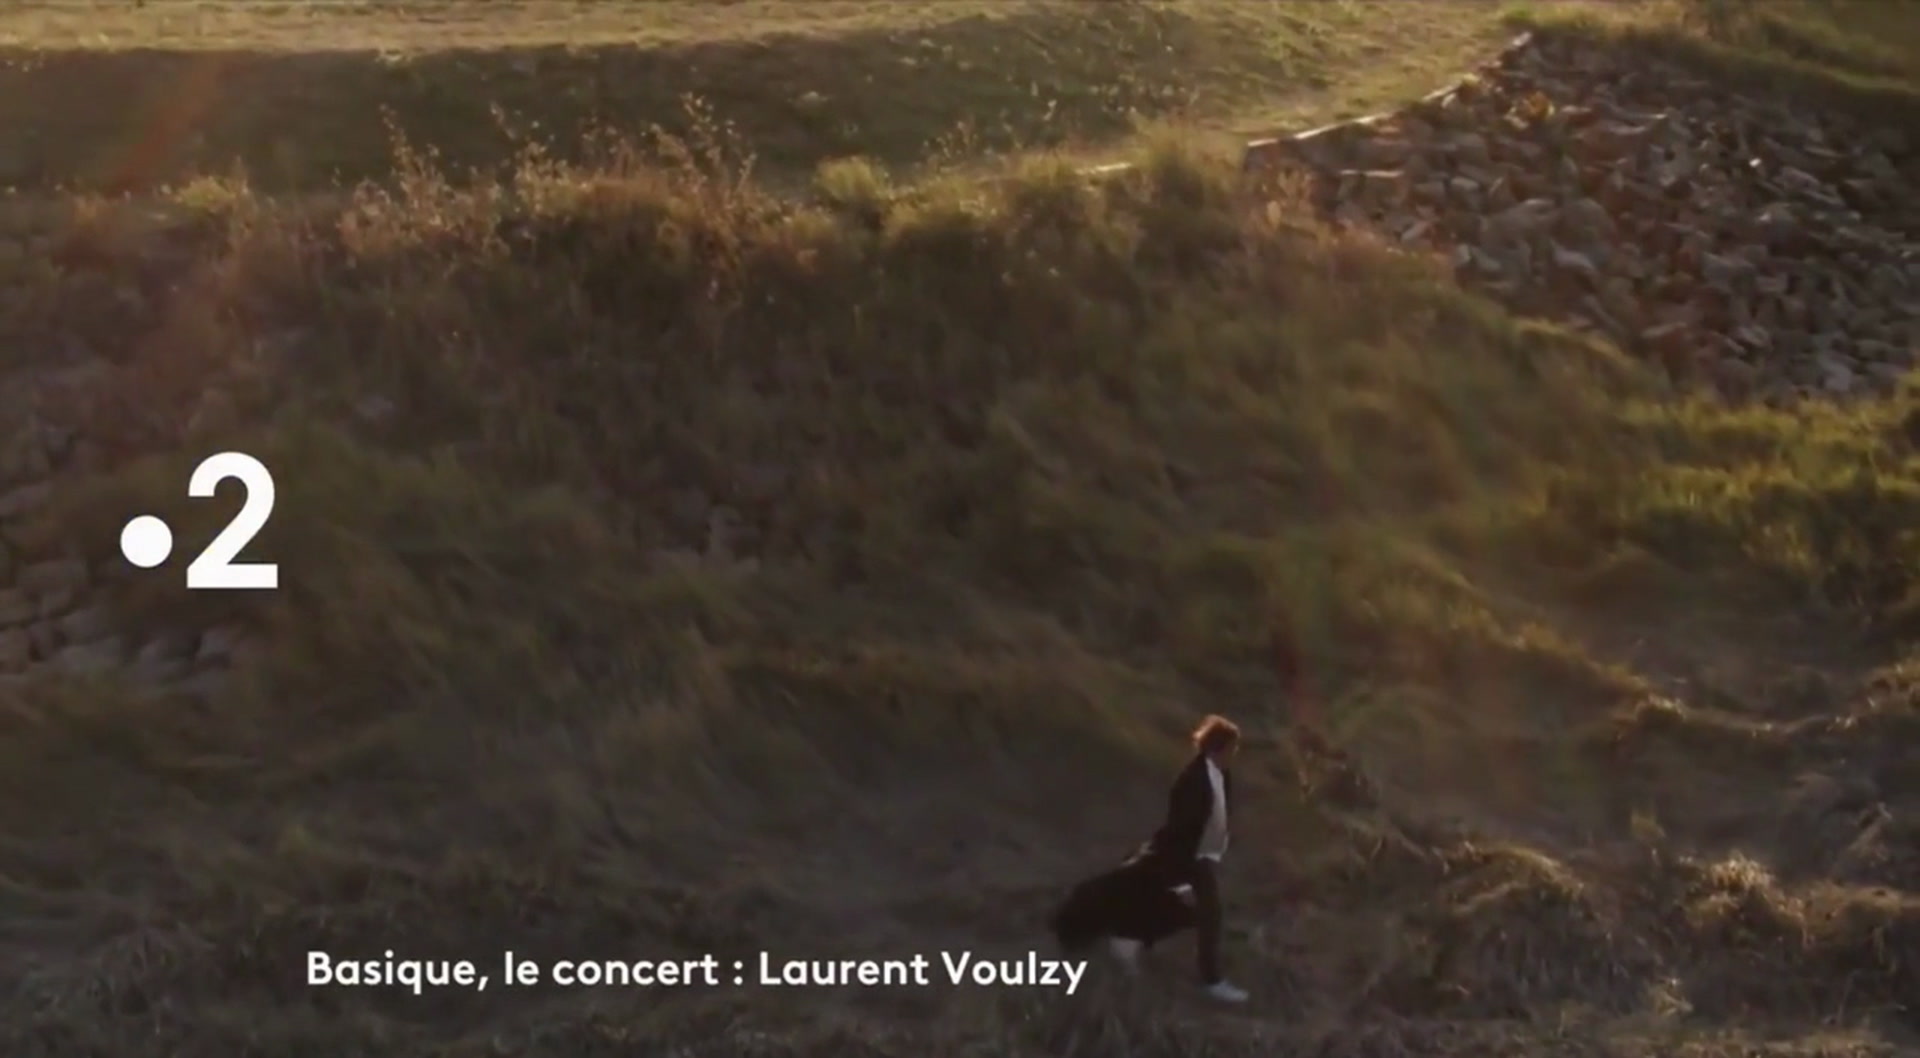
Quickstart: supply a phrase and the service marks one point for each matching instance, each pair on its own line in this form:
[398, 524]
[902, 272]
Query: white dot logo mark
[146, 541]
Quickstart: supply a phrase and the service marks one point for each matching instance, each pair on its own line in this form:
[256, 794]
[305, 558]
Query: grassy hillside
[304, 95]
[670, 566]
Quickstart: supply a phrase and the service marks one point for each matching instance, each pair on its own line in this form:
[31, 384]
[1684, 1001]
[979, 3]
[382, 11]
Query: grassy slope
[301, 94]
[1027, 478]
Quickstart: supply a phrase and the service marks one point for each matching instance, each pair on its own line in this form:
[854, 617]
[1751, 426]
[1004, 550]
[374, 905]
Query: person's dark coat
[1174, 847]
[1138, 900]
[1131, 902]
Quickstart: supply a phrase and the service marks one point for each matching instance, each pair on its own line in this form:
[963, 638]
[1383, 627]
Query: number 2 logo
[215, 568]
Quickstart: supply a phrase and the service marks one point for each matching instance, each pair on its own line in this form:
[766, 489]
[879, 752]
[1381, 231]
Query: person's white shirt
[1214, 841]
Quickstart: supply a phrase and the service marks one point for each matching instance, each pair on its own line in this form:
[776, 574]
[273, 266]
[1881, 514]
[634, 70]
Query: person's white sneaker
[1226, 993]
[1126, 952]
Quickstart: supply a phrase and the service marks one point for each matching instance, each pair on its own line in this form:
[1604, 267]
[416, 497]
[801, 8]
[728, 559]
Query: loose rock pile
[1760, 245]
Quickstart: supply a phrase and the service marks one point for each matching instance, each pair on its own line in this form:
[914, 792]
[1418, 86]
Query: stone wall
[1766, 247]
[55, 611]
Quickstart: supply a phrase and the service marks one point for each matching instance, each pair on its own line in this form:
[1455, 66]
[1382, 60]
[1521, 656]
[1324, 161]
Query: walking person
[1187, 849]
[1171, 882]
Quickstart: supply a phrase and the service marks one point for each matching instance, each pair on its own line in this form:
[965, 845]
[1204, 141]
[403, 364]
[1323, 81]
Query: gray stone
[170, 670]
[44, 639]
[16, 650]
[16, 608]
[86, 624]
[1838, 377]
[90, 659]
[55, 601]
[206, 683]
[57, 574]
[218, 646]
[25, 500]
[23, 458]
[1577, 263]
[166, 647]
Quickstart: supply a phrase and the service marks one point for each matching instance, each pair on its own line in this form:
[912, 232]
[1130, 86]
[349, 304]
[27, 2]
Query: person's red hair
[1216, 733]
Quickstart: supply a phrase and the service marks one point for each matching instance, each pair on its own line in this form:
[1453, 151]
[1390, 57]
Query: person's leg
[1206, 915]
